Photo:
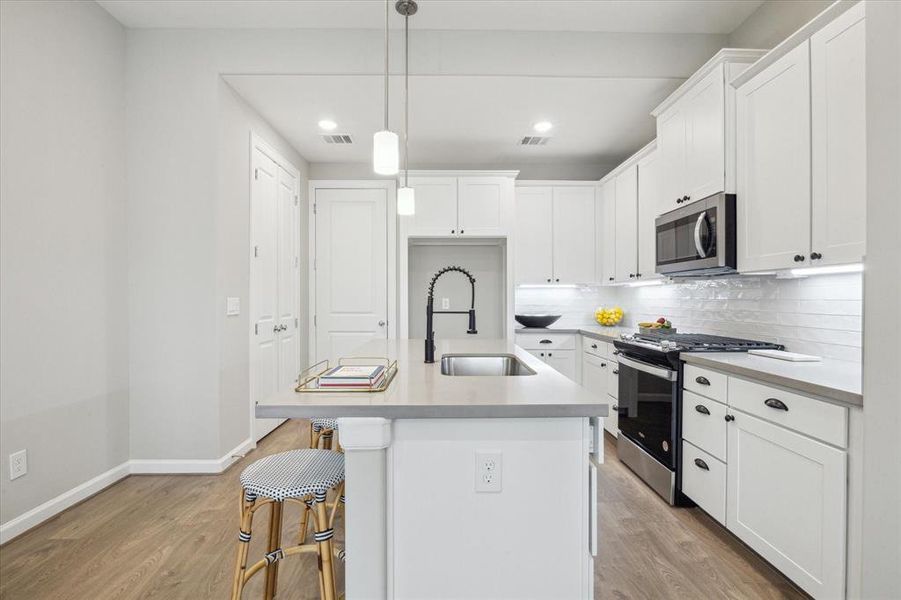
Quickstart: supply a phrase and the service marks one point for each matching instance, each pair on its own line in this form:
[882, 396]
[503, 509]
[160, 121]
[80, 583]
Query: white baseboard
[19, 525]
[212, 466]
[34, 517]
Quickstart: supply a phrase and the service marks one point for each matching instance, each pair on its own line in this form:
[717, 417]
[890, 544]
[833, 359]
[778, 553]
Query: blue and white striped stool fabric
[322, 424]
[294, 474]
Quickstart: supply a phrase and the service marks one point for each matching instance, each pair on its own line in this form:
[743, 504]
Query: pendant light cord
[387, 10]
[406, 98]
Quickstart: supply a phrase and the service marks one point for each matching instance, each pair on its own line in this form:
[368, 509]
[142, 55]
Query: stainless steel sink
[492, 365]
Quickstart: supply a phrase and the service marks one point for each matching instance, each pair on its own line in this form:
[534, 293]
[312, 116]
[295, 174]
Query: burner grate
[698, 341]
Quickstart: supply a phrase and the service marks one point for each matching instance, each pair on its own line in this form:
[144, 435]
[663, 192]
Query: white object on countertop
[782, 355]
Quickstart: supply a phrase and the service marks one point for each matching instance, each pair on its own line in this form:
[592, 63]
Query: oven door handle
[660, 372]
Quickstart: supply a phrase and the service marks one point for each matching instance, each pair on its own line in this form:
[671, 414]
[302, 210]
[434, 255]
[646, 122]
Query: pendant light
[406, 202]
[385, 159]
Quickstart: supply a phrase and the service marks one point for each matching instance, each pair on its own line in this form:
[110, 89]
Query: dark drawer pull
[701, 464]
[702, 409]
[545, 342]
[774, 403]
[702, 380]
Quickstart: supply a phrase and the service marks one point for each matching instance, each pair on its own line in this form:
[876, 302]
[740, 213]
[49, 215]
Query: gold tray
[309, 378]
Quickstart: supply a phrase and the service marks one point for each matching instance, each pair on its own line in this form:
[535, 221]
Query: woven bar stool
[303, 477]
[322, 430]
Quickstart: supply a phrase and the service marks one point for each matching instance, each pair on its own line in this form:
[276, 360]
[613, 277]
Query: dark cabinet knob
[799, 258]
[616, 407]
[702, 380]
[616, 371]
[775, 403]
[453, 231]
[729, 418]
[702, 409]
[638, 275]
[678, 200]
[541, 354]
[631, 275]
[603, 364]
[548, 279]
[815, 256]
[686, 198]
[594, 346]
[557, 280]
[610, 278]
[549, 354]
[461, 231]
[701, 464]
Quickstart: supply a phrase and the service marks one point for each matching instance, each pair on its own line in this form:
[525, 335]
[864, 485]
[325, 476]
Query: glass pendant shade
[406, 201]
[385, 153]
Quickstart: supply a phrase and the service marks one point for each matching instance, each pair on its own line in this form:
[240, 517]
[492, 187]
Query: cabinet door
[482, 203]
[613, 379]
[773, 165]
[705, 151]
[574, 234]
[534, 231]
[563, 361]
[436, 207]
[838, 117]
[671, 142]
[627, 225]
[786, 498]
[608, 224]
[648, 196]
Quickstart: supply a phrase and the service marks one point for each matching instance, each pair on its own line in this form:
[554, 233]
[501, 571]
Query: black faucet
[430, 311]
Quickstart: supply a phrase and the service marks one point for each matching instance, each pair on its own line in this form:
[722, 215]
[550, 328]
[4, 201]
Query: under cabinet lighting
[646, 283]
[855, 268]
[547, 285]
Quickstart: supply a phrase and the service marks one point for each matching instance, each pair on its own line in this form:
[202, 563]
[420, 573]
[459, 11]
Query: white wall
[774, 21]
[236, 122]
[63, 249]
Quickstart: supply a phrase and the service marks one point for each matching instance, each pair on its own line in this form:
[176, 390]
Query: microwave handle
[702, 250]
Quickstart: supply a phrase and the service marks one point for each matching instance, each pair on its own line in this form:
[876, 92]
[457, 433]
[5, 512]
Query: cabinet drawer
[546, 341]
[705, 382]
[704, 424]
[806, 415]
[595, 346]
[704, 481]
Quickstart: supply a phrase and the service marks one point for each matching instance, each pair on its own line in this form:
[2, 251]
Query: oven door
[647, 407]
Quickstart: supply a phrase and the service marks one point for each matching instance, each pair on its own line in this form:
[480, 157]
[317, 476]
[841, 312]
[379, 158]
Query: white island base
[417, 528]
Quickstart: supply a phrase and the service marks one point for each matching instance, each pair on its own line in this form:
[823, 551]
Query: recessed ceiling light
[327, 125]
[543, 126]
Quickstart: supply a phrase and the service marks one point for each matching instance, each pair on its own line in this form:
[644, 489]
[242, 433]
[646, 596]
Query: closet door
[288, 281]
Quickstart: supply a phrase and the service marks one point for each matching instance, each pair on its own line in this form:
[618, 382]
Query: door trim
[257, 141]
[390, 187]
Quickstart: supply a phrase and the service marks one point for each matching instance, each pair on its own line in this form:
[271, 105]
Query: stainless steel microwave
[698, 239]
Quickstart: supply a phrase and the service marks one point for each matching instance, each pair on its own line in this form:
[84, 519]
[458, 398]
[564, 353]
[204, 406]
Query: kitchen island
[468, 486]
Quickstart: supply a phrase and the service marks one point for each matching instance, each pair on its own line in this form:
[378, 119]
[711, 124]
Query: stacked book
[349, 377]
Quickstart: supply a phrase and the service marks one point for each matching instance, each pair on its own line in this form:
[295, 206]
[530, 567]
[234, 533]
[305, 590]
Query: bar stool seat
[294, 474]
[323, 423]
[304, 477]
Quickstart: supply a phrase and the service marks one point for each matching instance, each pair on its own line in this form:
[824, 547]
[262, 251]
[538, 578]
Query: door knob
[381, 323]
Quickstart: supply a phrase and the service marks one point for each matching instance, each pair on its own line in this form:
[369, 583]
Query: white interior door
[274, 285]
[351, 269]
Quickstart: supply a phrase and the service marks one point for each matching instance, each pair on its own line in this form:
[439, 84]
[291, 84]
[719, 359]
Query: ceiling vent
[534, 140]
[337, 138]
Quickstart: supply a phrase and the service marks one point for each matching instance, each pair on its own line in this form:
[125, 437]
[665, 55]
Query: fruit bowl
[608, 317]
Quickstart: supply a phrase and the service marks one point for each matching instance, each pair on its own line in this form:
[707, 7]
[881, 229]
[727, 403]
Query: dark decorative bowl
[537, 320]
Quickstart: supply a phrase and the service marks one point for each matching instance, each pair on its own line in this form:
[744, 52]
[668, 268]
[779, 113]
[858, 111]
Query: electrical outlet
[18, 464]
[445, 303]
[489, 471]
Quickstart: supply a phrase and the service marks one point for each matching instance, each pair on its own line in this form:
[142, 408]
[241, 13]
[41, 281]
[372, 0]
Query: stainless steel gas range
[650, 402]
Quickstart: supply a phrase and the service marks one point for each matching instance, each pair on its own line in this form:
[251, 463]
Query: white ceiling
[636, 16]
[463, 120]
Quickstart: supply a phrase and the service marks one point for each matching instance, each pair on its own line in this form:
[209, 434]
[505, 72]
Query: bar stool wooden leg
[304, 525]
[323, 537]
[243, 543]
[275, 542]
[314, 437]
[327, 438]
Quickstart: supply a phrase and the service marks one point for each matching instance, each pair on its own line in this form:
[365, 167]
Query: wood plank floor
[173, 536]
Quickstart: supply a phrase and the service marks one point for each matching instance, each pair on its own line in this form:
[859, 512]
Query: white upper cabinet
[692, 128]
[773, 164]
[801, 158]
[838, 133]
[626, 262]
[574, 234]
[534, 234]
[555, 234]
[608, 231]
[460, 206]
[648, 207]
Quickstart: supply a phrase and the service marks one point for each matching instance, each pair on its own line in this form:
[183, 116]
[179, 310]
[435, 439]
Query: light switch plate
[445, 303]
[489, 471]
[232, 306]
[18, 464]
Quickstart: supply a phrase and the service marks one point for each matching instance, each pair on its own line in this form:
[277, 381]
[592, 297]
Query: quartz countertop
[835, 380]
[419, 390]
[607, 334]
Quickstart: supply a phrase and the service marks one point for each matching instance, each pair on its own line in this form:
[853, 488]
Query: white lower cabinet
[704, 480]
[595, 377]
[787, 499]
[556, 349]
[563, 361]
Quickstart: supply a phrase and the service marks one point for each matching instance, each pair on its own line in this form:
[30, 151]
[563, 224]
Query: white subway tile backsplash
[818, 315]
